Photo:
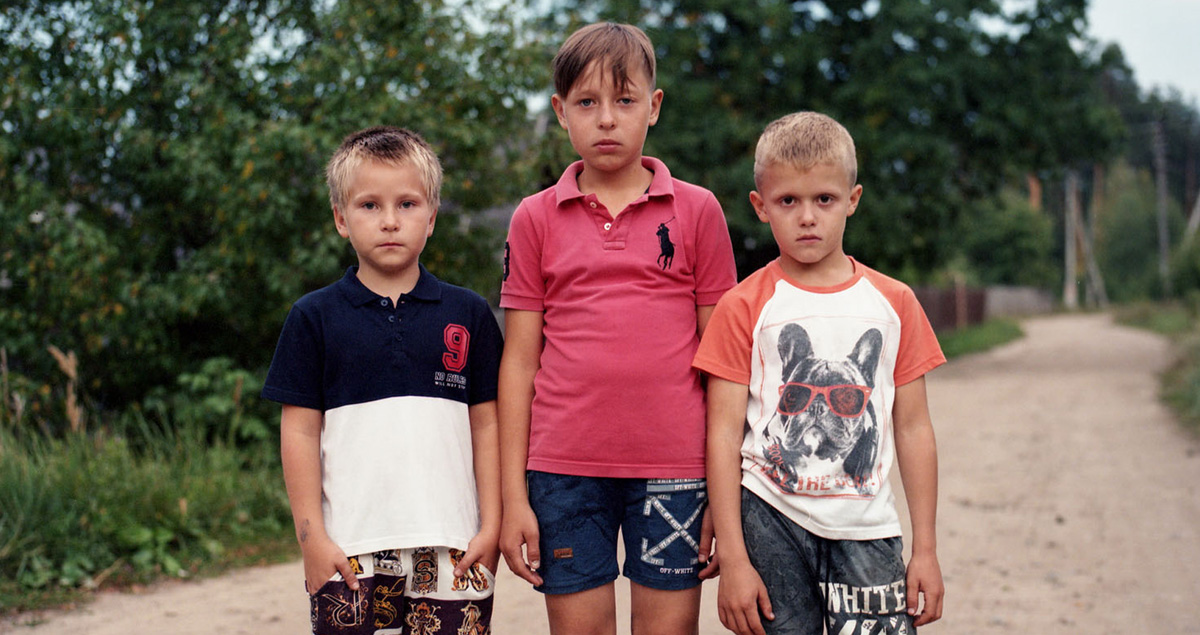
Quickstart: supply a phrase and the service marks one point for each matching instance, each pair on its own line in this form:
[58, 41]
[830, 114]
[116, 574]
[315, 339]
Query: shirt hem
[290, 398]
[756, 487]
[616, 471]
[384, 544]
[722, 371]
[521, 303]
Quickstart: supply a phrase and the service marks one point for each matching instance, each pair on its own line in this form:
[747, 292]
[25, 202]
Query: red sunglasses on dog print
[845, 400]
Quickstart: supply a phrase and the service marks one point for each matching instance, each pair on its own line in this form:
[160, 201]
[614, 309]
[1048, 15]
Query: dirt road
[1070, 503]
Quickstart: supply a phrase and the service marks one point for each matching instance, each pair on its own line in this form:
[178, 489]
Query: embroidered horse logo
[665, 246]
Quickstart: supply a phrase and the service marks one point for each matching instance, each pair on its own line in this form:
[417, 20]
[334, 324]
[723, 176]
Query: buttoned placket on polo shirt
[395, 321]
[613, 231]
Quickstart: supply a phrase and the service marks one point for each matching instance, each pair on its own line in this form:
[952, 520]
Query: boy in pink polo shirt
[610, 277]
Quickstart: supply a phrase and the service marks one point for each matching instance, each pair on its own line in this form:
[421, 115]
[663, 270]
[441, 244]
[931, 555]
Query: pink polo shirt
[616, 395]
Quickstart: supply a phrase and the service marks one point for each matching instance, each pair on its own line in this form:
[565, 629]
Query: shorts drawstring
[824, 559]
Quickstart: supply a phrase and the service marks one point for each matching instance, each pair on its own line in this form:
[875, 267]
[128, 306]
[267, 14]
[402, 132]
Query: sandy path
[1070, 503]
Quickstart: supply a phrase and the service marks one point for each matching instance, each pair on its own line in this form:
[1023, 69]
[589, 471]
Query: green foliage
[1127, 235]
[161, 167]
[215, 399]
[77, 511]
[1181, 383]
[979, 338]
[1185, 272]
[1009, 242]
[1172, 319]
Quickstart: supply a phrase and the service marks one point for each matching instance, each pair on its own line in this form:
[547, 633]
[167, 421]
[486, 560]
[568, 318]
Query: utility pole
[1160, 168]
[1070, 277]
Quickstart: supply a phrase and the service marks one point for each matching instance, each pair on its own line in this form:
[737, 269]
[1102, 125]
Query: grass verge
[1180, 383]
[89, 511]
[979, 337]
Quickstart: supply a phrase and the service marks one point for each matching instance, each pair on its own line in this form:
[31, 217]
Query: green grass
[97, 510]
[1180, 383]
[1171, 319]
[979, 337]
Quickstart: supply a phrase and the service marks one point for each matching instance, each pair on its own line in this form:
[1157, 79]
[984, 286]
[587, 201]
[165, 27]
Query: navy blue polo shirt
[395, 382]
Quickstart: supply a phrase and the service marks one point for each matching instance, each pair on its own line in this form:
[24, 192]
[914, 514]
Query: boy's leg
[851, 586]
[436, 602]
[662, 525]
[338, 610]
[590, 612]
[664, 612]
[865, 588]
[578, 521]
[782, 557]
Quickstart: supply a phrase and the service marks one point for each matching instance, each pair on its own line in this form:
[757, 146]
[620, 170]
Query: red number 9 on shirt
[457, 339]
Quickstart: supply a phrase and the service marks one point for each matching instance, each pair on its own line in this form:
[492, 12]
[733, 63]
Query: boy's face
[387, 217]
[608, 126]
[807, 211]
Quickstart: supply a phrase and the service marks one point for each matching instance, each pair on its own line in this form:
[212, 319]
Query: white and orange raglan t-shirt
[822, 366]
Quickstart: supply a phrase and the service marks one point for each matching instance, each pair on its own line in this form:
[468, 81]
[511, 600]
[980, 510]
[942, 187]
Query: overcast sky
[1160, 39]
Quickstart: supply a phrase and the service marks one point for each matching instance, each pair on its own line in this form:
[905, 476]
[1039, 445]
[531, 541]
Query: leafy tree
[161, 166]
[1127, 240]
[1009, 242]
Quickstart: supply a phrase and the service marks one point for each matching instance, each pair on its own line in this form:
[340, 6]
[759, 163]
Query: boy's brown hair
[804, 139]
[386, 144]
[617, 47]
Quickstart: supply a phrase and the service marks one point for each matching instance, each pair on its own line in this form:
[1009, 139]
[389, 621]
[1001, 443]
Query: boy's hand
[519, 542]
[740, 597]
[925, 579]
[484, 549]
[708, 549]
[322, 559]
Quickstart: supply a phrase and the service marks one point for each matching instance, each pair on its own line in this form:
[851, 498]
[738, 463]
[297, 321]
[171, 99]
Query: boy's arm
[703, 314]
[300, 452]
[916, 454]
[708, 554]
[518, 366]
[485, 448]
[741, 593]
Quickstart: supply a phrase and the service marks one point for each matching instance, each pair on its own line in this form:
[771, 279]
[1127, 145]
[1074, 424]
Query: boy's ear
[855, 195]
[756, 200]
[556, 103]
[432, 218]
[655, 105]
[339, 220]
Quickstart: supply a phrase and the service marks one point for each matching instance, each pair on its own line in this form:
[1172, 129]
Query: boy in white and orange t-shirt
[816, 368]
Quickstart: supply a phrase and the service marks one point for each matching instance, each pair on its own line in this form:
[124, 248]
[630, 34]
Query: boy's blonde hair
[387, 144]
[804, 139]
[618, 47]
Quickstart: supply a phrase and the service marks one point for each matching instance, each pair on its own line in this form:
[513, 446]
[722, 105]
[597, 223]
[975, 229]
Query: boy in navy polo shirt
[388, 433]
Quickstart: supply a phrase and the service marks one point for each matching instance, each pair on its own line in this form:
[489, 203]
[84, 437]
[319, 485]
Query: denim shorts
[579, 517]
[849, 586]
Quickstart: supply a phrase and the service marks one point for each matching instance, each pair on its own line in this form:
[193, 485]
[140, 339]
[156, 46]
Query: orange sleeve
[727, 347]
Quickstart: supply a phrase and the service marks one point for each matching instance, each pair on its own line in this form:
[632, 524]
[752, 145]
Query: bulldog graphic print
[824, 437]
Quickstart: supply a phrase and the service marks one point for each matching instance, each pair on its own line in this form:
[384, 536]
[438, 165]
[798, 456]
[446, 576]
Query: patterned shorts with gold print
[406, 592]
